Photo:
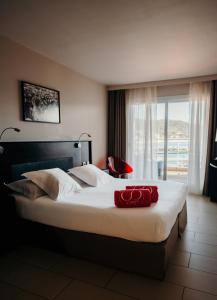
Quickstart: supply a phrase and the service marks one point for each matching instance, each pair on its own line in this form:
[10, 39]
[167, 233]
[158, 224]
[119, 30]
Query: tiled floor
[35, 274]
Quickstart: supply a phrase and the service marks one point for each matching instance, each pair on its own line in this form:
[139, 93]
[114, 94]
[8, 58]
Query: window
[173, 137]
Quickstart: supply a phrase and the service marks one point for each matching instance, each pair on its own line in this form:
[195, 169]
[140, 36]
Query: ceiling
[118, 41]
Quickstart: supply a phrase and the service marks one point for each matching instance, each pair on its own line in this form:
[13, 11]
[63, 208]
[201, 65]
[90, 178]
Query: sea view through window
[173, 138]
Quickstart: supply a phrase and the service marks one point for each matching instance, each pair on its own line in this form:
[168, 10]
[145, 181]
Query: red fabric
[152, 188]
[132, 198]
[118, 167]
[124, 167]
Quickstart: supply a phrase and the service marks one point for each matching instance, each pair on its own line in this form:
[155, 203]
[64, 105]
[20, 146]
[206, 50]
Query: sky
[176, 110]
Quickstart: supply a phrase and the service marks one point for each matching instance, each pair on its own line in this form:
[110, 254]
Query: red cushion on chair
[132, 198]
[128, 168]
[118, 166]
[124, 167]
[152, 188]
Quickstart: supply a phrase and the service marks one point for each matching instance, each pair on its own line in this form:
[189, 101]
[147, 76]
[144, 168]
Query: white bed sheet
[92, 210]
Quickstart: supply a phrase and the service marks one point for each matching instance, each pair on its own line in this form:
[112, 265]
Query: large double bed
[88, 225]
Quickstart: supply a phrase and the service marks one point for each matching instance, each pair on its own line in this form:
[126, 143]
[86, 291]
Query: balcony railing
[177, 158]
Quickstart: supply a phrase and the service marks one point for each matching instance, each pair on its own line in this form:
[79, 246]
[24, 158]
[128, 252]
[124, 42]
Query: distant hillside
[176, 129]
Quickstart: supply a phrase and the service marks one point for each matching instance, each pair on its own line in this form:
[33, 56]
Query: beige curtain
[199, 97]
[141, 107]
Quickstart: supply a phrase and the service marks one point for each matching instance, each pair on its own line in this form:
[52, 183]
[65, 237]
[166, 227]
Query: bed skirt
[148, 259]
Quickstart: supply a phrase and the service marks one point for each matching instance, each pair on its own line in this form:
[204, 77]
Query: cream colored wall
[82, 101]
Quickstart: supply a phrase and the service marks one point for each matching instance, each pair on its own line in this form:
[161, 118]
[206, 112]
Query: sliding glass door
[173, 138]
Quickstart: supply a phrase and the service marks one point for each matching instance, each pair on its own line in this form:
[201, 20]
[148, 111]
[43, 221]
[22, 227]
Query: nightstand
[213, 181]
[8, 220]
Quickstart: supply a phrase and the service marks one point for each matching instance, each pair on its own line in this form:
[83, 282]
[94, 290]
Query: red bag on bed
[132, 198]
[152, 188]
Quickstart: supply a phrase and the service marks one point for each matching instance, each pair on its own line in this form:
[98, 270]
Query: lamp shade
[216, 136]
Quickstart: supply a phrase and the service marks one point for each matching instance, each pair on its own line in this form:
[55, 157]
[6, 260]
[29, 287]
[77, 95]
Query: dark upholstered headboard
[20, 157]
[18, 169]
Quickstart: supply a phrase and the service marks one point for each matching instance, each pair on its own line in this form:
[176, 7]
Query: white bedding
[92, 210]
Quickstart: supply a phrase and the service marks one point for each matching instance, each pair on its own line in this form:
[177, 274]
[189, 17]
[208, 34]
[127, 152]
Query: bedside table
[213, 180]
[8, 220]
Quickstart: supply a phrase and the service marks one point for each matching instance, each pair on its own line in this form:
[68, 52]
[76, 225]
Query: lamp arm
[14, 128]
[83, 133]
[77, 144]
[80, 137]
[4, 131]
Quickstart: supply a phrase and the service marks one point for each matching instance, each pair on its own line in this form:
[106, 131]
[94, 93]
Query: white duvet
[92, 210]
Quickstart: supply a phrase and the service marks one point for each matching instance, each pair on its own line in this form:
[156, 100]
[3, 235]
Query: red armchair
[118, 167]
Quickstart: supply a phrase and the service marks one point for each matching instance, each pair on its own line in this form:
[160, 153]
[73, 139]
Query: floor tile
[32, 279]
[196, 295]
[188, 235]
[207, 217]
[36, 256]
[197, 280]
[194, 219]
[180, 258]
[209, 207]
[200, 206]
[143, 288]
[210, 229]
[197, 248]
[27, 296]
[203, 263]
[84, 270]
[210, 239]
[8, 292]
[82, 291]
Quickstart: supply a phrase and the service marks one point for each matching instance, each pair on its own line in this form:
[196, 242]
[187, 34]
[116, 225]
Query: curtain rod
[161, 82]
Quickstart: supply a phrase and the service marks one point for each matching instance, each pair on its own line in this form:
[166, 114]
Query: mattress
[92, 210]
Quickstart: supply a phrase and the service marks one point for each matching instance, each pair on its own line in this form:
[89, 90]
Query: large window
[173, 137]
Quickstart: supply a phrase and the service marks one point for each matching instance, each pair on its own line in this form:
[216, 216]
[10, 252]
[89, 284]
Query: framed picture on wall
[40, 104]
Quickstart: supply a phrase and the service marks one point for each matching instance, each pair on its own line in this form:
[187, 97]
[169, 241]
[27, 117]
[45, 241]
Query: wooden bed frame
[149, 259]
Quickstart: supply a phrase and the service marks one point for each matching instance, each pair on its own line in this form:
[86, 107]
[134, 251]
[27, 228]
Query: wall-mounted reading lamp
[3, 131]
[78, 144]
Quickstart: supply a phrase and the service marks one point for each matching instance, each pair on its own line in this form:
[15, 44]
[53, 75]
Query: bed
[87, 225]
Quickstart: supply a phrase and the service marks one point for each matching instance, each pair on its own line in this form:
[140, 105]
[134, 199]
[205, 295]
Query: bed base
[148, 259]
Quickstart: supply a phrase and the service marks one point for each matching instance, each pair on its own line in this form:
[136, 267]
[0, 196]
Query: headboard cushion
[20, 157]
[18, 169]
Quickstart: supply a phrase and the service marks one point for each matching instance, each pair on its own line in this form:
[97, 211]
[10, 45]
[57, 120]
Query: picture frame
[40, 104]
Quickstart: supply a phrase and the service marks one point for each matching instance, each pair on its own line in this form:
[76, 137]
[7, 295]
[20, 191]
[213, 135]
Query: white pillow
[79, 181]
[27, 188]
[55, 182]
[91, 175]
